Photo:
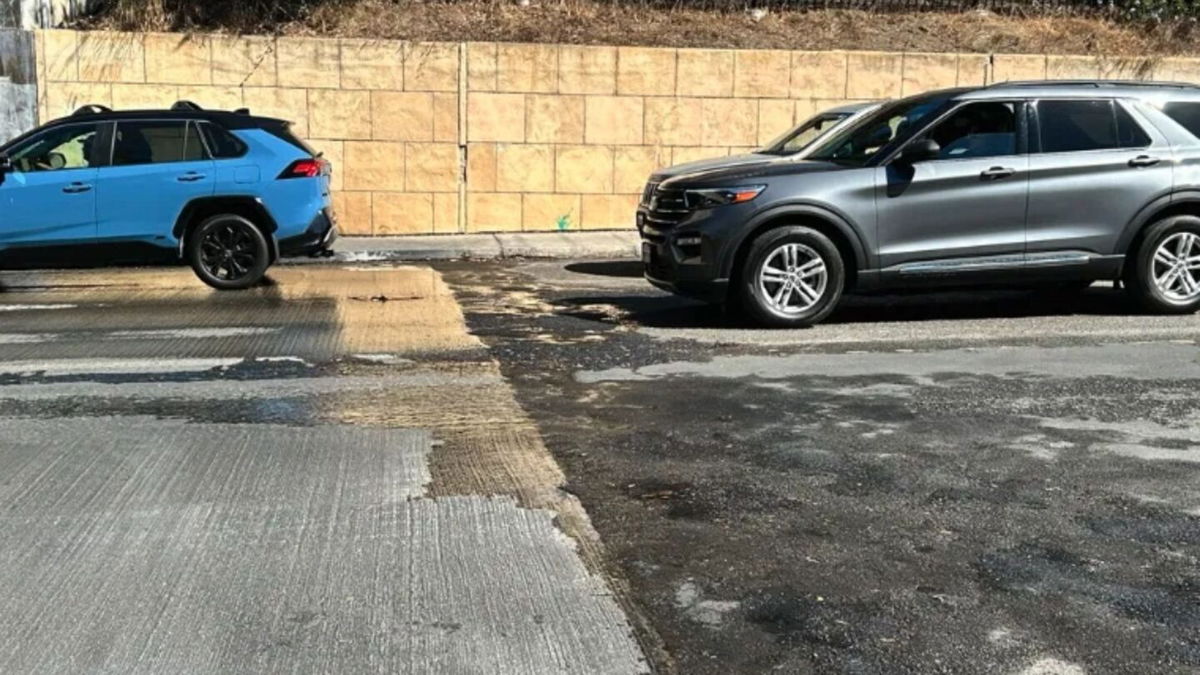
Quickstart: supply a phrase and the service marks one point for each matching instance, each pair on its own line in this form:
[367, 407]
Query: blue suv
[228, 192]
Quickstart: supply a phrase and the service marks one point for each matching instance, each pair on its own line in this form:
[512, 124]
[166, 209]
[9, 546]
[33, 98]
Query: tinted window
[1186, 114]
[978, 130]
[223, 144]
[1074, 126]
[871, 136]
[69, 147]
[156, 143]
[1129, 132]
[283, 131]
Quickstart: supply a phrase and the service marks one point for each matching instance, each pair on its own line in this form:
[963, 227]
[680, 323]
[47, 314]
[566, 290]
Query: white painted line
[28, 308]
[114, 366]
[190, 333]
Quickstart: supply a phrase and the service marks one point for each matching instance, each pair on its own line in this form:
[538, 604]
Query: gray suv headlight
[707, 198]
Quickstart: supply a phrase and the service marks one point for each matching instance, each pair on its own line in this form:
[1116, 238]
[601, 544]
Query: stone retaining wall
[483, 137]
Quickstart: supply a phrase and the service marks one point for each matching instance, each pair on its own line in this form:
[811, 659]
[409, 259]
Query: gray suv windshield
[865, 141]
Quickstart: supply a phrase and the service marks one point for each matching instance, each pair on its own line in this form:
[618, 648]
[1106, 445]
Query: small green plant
[564, 222]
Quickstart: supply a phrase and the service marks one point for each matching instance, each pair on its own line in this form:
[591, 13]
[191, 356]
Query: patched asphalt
[326, 474]
[997, 481]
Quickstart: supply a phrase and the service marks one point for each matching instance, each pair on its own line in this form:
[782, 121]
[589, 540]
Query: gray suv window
[1186, 113]
[986, 129]
[1079, 126]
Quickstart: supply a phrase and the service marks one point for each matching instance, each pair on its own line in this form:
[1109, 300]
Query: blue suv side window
[69, 147]
[157, 143]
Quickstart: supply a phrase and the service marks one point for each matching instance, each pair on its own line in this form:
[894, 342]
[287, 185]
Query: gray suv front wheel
[792, 276]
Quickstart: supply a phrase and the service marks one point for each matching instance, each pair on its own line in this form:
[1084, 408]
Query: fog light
[688, 241]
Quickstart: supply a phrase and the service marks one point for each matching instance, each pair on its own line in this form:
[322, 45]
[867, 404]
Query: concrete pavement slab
[600, 244]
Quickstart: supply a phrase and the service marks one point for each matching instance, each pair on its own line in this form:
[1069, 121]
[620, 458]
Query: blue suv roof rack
[91, 109]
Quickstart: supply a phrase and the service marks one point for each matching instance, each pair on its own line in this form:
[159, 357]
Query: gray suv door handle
[1144, 160]
[997, 172]
[76, 188]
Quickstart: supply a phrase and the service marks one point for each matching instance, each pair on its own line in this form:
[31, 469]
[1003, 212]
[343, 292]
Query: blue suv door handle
[76, 188]
[190, 177]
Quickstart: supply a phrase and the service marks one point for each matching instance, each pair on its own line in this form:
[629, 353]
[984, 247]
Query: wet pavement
[968, 482]
[324, 474]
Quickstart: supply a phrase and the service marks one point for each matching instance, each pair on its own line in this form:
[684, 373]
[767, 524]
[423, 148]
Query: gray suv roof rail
[1092, 83]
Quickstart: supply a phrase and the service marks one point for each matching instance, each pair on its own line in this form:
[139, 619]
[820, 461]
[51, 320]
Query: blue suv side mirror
[6, 164]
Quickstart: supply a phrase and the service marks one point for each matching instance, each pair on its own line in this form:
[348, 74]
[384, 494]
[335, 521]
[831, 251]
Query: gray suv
[1020, 182]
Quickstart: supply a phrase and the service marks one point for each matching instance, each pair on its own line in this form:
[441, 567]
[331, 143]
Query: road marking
[114, 366]
[30, 308]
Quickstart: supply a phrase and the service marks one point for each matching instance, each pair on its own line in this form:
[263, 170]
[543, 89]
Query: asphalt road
[970, 482]
[326, 474]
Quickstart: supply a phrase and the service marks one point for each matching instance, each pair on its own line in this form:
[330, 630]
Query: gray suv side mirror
[920, 150]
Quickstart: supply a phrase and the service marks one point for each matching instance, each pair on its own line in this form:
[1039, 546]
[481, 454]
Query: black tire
[1141, 267]
[752, 292]
[228, 252]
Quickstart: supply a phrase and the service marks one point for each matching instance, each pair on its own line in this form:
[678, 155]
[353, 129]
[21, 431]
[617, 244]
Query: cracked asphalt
[999, 481]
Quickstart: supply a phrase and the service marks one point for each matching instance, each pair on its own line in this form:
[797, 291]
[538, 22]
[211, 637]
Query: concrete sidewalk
[606, 244]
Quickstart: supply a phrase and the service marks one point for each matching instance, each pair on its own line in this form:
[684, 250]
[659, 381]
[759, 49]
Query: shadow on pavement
[631, 269]
[664, 311]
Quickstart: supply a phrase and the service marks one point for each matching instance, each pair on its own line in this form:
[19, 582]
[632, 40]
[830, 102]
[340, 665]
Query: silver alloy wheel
[1176, 267]
[793, 278]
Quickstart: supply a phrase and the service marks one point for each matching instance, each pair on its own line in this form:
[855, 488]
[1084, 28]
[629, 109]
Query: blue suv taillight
[305, 168]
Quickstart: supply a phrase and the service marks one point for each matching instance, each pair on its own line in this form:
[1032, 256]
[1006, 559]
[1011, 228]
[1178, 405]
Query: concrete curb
[561, 245]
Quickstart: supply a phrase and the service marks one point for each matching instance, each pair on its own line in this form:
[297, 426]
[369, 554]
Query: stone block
[762, 73]
[445, 117]
[399, 213]
[172, 58]
[335, 113]
[584, 169]
[64, 98]
[288, 104]
[775, 116]
[549, 213]
[372, 64]
[496, 117]
[925, 72]
[673, 121]
[608, 212]
[873, 75]
[587, 70]
[524, 168]
[527, 68]
[431, 167]
[481, 167]
[819, 74]
[613, 120]
[243, 61]
[111, 57]
[554, 119]
[481, 66]
[646, 71]
[60, 52]
[353, 211]
[311, 63]
[1017, 67]
[1072, 68]
[402, 115]
[212, 98]
[973, 70]
[373, 165]
[696, 153]
[143, 96]
[445, 212]
[431, 66]
[704, 72]
[493, 212]
[632, 165]
[729, 121]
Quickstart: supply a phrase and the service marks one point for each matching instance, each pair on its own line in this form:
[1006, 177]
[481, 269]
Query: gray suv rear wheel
[1164, 272]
